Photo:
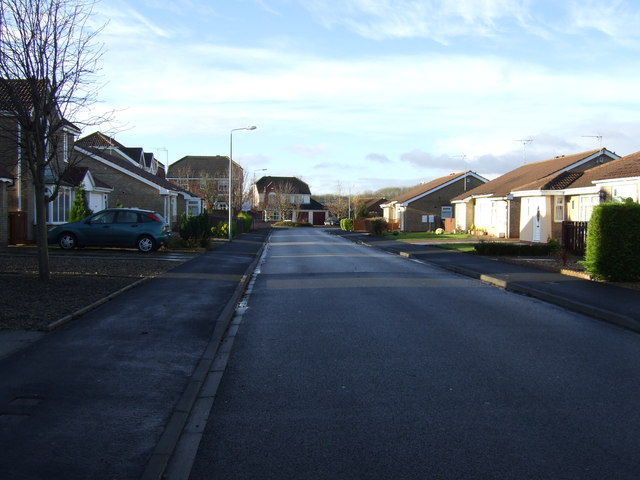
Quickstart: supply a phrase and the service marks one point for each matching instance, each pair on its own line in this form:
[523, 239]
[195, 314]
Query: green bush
[222, 229]
[613, 238]
[376, 226]
[194, 227]
[80, 208]
[247, 218]
[516, 249]
[346, 224]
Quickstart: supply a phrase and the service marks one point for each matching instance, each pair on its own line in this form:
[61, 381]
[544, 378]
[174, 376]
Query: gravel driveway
[78, 279]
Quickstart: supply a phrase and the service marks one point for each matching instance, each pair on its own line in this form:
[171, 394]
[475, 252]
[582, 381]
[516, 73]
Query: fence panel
[574, 237]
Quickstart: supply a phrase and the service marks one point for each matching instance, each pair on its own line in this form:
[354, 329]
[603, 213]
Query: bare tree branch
[48, 66]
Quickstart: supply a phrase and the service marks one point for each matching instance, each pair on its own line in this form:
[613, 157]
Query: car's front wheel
[146, 244]
[67, 241]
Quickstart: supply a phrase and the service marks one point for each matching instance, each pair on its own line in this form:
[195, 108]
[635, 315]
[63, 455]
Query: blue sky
[356, 95]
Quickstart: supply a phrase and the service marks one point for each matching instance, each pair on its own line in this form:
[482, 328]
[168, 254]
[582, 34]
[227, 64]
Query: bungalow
[571, 196]
[495, 208]
[425, 206]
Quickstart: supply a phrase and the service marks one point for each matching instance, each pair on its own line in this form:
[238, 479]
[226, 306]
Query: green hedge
[346, 224]
[613, 238]
[516, 249]
[376, 226]
[194, 227]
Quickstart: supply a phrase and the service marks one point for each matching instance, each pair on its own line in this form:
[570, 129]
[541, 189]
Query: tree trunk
[41, 233]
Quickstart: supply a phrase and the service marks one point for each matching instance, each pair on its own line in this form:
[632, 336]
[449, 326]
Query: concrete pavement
[600, 300]
[108, 394]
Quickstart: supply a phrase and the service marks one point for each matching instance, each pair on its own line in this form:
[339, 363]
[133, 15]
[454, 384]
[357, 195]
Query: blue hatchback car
[115, 227]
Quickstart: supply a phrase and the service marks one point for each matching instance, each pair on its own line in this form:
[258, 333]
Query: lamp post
[230, 206]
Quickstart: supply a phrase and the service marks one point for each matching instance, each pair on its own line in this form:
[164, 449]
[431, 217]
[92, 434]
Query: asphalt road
[353, 363]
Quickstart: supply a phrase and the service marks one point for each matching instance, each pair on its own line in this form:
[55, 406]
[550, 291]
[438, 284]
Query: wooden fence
[574, 237]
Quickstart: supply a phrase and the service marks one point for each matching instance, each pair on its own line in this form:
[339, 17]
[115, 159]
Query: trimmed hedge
[194, 227]
[516, 249]
[613, 241]
[346, 224]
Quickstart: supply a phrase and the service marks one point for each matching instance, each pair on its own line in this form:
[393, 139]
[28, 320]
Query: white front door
[536, 226]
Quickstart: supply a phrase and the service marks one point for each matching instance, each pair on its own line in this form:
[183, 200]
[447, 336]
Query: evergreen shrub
[80, 208]
[194, 227]
[613, 238]
[346, 224]
[376, 226]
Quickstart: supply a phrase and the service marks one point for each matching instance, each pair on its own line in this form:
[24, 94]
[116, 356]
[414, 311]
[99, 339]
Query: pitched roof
[530, 173]
[73, 176]
[312, 205]
[99, 140]
[212, 165]
[122, 163]
[16, 93]
[298, 185]
[625, 167]
[425, 188]
[19, 95]
[555, 181]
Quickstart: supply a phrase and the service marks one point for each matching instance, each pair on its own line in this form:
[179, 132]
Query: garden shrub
[376, 226]
[516, 249]
[346, 224]
[80, 208]
[194, 227]
[613, 238]
[222, 229]
[247, 218]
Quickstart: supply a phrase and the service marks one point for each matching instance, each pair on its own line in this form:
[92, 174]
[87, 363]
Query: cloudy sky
[364, 94]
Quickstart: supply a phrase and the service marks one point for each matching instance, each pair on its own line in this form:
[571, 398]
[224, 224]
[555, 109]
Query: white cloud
[437, 19]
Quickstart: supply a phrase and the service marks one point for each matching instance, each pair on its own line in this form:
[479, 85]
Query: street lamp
[253, 127]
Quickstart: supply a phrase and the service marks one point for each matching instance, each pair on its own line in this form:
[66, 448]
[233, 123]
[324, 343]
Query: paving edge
[166, 446]
[578, 307]
[66, 319]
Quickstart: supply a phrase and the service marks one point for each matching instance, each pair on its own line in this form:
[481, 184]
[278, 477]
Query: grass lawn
[461, 247]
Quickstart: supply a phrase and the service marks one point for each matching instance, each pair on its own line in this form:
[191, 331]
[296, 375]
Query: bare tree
[48, 61]
[282, 199]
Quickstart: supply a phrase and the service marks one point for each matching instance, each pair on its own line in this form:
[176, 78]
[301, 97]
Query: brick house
[425, 207]
[572, 195]
[495, 208]
[287, 198]
[137, 178]
[208, 178]
[18, 210]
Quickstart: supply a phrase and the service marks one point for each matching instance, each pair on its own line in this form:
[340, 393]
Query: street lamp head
[252, 127]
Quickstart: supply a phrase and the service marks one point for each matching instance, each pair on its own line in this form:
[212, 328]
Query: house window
[193, 207]
[558, 209]
[447, 212]
[58, 209]
[586, 206]
[272, 216]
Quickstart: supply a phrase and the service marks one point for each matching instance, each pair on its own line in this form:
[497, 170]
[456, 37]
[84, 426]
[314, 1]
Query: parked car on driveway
[115, 227]
[332, 221]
